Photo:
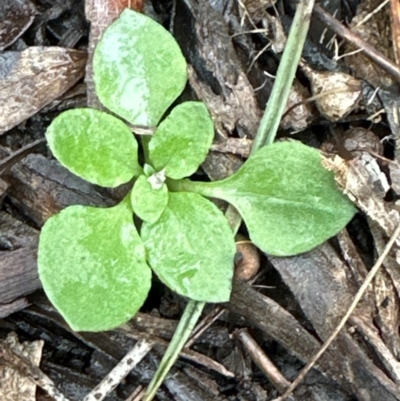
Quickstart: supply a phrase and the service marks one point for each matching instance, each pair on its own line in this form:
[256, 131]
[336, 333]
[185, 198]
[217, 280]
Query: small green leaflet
[148, 203]
[93, 267]
[181, 142]
[191, 248]
[139, 69]
[288, 200]
[95, 146]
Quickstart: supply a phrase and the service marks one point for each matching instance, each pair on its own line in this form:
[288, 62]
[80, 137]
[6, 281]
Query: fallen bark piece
[336, 93]
[347, 364]
[215, 76]
[16, 18]
[364, 183]
[24, 361]
[33, 78]
[40, 188]
[18, 270]
[14, 385]
[12, 307]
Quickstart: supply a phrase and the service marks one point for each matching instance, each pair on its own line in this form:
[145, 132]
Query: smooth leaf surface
[191, 248]
[148, 203]
[139, 69]
[289, 202]
[95, 146]
[92, 266]
[181, 142]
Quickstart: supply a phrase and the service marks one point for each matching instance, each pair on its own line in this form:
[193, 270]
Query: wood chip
[13, 385]
[16, 18]
[31, 79]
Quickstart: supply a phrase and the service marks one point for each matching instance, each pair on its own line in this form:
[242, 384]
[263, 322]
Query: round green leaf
[95, 146]
[181, 142]
[288, 200]
[148, 202]
[92, 266]
[139, 69]
[191, 248]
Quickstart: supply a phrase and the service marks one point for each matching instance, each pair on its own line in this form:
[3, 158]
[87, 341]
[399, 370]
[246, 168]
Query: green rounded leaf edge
[181, 142]
[191, 248]
[139, 69]
[95, 146]
[148, 203]
[288, 200]
[92, 266]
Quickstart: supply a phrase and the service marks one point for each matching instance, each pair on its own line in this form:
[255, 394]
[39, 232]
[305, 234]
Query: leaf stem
[279, 96]
[284, 77]
[182, 333]
[186, 185]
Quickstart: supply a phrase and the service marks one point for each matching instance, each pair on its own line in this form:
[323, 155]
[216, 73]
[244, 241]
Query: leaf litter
[362, 176]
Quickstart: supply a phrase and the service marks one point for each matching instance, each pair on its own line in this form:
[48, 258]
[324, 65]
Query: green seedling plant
[96, 264]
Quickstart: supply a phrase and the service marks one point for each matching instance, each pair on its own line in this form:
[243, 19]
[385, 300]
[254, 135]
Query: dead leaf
[364, 183]
[375, 31]
[216, 76]
[31, 79]
[14, 386]
[237, 146]
[16, 16]
[337, 93]
[358, 140]
[299, 113]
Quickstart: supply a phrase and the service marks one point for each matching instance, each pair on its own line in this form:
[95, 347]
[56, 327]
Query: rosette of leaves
[94, 265]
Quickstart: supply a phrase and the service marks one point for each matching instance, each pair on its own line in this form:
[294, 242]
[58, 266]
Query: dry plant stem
[136, 395]
[395, 19]
[371, 14]
[262, 361]
[27, 369]
[377, 57]
[391, 364]
[15, 157]
[186, 353]
[130, 360]
[343, 321]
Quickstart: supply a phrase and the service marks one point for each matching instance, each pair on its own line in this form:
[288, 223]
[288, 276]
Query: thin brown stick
[15, 157]
[262, 361]
[376, 56]
[15, 360]
[344, 319]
